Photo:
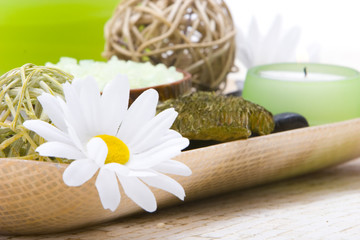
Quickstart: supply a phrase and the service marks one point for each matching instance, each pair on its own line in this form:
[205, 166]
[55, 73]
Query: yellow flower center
[118, 152]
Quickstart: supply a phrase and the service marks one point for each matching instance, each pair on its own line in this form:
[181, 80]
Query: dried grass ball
[197, 36]
[20, 88]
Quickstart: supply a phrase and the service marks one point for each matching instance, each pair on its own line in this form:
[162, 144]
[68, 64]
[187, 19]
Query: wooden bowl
[166, 91]
[35, 200]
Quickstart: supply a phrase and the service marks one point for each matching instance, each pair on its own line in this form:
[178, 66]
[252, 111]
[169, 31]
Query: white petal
[78, 129]
[173, 167]
[245, 56]
[114, 102]
[52, 108]
[253, 31]
[254, 41]
[120, 169]
[151, 133]
[267, 49]
[90, 103]
[71, 96]
[59, 149]
[108, 188]
[77, 84]
[97, 151]
[79, 172]
[243, 49]
[170, 135]
[176, 144]
[137, 173]
[158, 154]
[288, 45]
[139, 113]
[47, 131]
[146, 162]
[139, 193]
[74, 112]
[74, 138]
[167, 184]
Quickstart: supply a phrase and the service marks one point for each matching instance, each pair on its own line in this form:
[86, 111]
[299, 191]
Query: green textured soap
[208, 116]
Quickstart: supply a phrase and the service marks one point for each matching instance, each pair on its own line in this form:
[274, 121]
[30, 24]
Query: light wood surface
[323, 205]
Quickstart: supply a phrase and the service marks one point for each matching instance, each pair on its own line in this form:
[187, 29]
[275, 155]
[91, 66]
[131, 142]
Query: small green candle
[321, 93]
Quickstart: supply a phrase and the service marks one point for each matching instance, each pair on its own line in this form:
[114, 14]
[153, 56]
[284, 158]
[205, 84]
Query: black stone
[194, 144]
[288, 121]
[236, 93]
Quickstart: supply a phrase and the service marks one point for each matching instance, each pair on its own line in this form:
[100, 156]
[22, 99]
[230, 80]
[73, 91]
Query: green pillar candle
[39, 31]
[321, 93]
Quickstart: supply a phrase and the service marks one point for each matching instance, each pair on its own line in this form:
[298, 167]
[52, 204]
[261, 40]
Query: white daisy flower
[100, 133]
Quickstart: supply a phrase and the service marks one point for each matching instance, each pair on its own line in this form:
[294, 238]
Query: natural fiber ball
[194, 35]
[20, 88]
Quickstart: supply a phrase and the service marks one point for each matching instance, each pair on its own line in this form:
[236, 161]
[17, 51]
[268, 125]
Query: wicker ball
[20, 88]
[197, 36]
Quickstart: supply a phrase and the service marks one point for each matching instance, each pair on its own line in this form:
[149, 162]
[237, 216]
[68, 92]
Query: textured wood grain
[323, 205]
[35, 200]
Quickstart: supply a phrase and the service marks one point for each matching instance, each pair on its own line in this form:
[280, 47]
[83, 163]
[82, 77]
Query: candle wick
[305, 71]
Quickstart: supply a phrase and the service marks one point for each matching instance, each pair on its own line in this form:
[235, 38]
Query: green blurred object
[38, 31]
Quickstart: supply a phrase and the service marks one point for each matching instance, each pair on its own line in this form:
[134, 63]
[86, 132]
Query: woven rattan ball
[194, 35]
[20, 88]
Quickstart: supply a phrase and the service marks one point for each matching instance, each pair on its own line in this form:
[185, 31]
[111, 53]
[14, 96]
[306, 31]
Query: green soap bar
[208, 116]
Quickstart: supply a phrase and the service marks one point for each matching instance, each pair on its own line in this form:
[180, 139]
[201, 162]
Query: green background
[39, 31]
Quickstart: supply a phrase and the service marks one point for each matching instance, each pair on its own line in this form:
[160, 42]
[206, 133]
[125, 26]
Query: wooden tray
[34, 199]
